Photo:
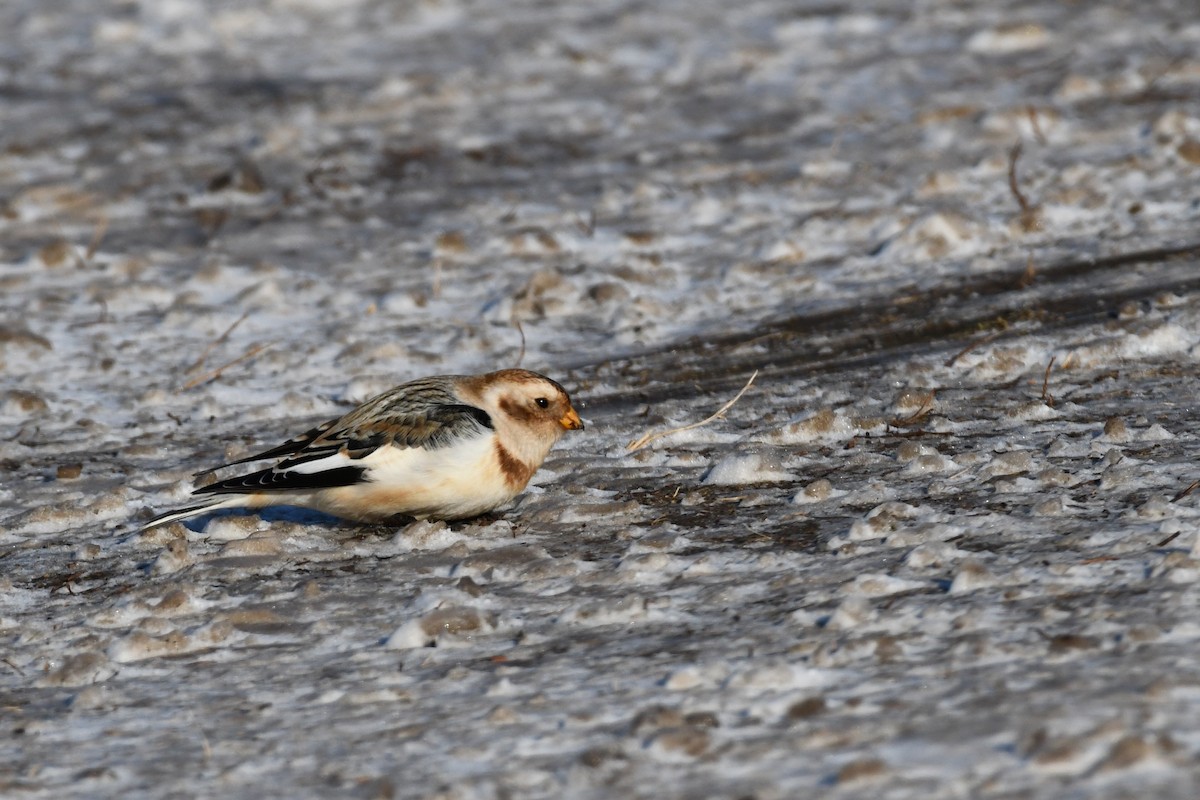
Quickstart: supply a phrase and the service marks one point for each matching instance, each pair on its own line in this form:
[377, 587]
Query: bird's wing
[274, 479]
[293, 445]
[404, 418]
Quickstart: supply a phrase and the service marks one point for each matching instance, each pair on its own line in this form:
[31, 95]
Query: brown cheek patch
[517, 411]
[516, 472]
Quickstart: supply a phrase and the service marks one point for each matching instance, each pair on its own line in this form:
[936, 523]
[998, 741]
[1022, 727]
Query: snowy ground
[943, 547]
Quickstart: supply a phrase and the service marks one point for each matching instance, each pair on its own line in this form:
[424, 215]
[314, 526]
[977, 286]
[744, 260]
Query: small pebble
[68, 472]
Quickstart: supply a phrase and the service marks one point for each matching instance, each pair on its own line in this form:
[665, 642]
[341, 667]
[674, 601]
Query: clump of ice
[971, 576]
[138, 645]
[1011, 463]
[882, 520]
[771, 675]
[932, 554]
[818, 491]
[81, 669]
[851, 613]
[1006, 39]
[457, 625]
[694, 676]
[1034, 410]
[174, 557]
[824, 425]
[619, 611]
[1152, 341]
[920, 459]
[423, 535]
[1006, 361]
[1155, 433]
[233, 526]
[746, 468]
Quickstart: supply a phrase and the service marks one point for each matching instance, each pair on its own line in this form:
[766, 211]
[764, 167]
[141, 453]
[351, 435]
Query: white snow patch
[746, 468]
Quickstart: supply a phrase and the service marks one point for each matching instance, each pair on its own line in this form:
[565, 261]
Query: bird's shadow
[308, 517]
[296, 514]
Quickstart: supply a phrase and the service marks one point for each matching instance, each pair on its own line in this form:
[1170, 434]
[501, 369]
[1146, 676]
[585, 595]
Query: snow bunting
[446, 447]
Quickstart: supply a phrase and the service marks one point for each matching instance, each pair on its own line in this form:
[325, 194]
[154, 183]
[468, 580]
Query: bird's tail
[234, 501]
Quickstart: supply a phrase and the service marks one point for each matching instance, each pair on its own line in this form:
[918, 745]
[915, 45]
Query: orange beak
[571, 421]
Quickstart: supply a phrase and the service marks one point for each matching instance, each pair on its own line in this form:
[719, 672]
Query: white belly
[464, 480]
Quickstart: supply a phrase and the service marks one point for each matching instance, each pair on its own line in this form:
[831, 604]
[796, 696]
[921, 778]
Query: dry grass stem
[1151, 84]
[216, 373]
[1028, 276]
[1014, 156]
[991, 337]
[520, 330]
[1047, 398]
[1032, 113]
[638, 444]
[213, 345]
[97, 237]
[1031, 219]
[918, 415]
[1170, 538]
[435, 287]
[1191, 488]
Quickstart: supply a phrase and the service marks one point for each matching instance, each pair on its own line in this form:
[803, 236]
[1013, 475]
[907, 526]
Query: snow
[741, 468]
[944, 546]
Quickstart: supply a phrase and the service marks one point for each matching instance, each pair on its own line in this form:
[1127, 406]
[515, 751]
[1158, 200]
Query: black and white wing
[423, 414]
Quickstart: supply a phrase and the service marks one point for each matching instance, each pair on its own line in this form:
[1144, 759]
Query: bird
[445, 447]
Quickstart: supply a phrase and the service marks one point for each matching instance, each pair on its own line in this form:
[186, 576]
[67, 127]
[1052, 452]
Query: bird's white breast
[462, 480]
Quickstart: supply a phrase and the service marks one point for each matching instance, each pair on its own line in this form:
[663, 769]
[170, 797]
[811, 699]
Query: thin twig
[1031, 112]
[638, 444]
[1048, 399]
[1031, 219]
[985, 340]
[1028, 276]
[1185, 492]
[1151, 83]
[918, 415]
[1170, 538]
[97, 238]
[520, 330]
[1014, 155]
[216, 373]
[213, 345]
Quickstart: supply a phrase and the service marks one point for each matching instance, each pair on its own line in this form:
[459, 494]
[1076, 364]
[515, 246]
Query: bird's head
[527, 400]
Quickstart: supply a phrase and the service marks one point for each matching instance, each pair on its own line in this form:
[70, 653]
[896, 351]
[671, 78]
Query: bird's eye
[542, 402]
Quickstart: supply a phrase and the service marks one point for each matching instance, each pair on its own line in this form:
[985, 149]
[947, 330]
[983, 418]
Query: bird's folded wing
[289, 447]
[274, 479]
[331, 455]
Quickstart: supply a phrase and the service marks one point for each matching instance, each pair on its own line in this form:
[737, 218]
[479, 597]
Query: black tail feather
[290, 447]
[272, 480]
[179, 513]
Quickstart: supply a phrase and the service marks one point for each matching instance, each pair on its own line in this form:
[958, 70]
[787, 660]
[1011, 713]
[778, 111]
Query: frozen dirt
[945, 546]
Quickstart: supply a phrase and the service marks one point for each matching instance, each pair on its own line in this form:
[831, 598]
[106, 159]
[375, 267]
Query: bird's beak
[571, 421]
